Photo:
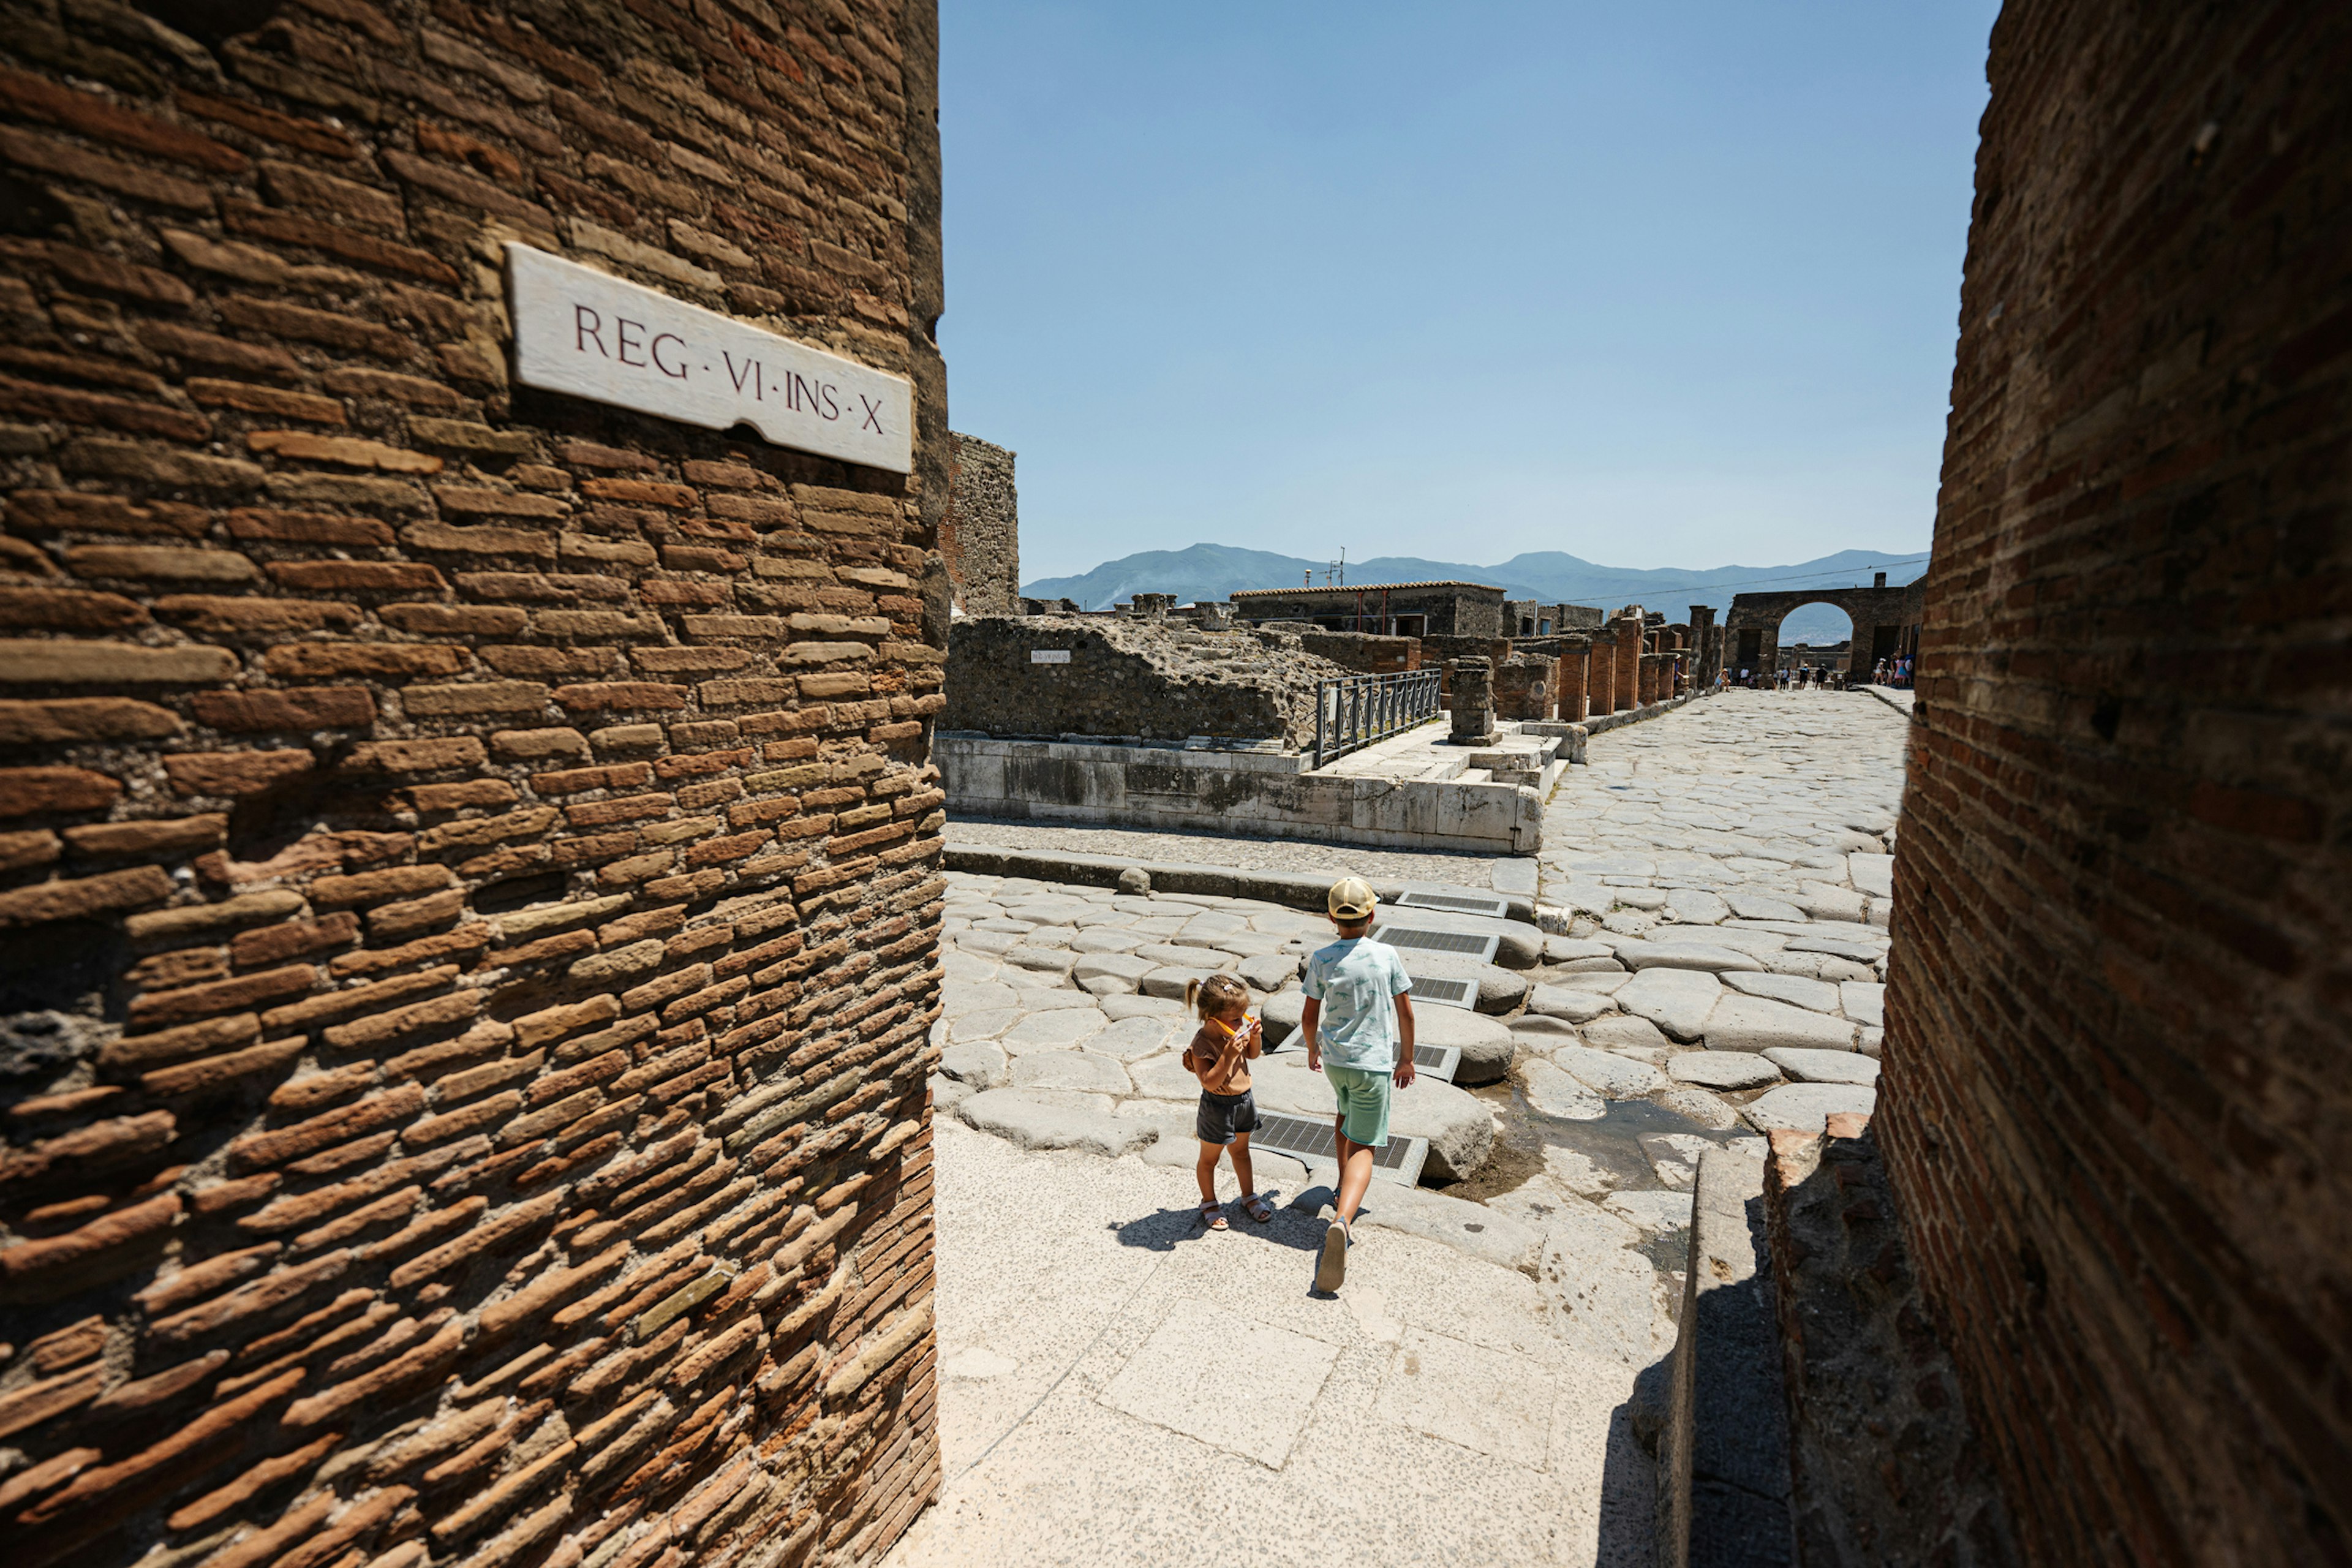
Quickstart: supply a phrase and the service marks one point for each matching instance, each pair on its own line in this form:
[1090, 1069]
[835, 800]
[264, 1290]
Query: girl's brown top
[1219, 1058]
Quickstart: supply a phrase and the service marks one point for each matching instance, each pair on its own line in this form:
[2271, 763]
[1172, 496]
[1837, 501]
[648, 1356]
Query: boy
[1358, 1015]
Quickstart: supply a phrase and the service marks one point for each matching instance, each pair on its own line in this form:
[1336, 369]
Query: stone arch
[1885, 624]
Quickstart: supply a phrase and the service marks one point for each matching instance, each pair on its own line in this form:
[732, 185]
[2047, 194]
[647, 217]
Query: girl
[1219, 1056]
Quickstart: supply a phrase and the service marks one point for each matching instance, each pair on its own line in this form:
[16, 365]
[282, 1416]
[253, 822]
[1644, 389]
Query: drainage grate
[1312, 1140]
[1439, 1062]
[1445, 992]
[1469, 905]
[1422, 940]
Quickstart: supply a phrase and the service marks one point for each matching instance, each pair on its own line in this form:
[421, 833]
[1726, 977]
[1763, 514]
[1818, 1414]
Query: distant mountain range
[1215, 570]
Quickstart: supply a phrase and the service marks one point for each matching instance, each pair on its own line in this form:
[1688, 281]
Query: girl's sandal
[1213, 1216]
[1256, 1208]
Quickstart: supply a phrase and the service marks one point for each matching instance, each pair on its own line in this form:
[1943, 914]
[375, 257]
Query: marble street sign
[591, 335]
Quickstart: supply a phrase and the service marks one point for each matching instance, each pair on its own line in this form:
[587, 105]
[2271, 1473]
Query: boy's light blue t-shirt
[1358, 981]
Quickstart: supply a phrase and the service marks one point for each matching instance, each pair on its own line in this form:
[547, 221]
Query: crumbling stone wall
[979, 537]
[469, 893]
[1364, 653]
[2115, 1082]
[1130, 679]
[1523, 687]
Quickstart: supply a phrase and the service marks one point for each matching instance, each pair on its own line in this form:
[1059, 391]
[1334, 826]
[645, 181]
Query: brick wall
[2117, 1076]
[469, 918]
[979, 539]
[1626, 679]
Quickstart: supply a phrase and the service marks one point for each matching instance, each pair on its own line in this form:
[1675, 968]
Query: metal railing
[1352, 712]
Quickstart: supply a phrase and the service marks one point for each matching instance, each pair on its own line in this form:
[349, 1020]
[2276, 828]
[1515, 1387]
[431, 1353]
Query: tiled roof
[1360, 588]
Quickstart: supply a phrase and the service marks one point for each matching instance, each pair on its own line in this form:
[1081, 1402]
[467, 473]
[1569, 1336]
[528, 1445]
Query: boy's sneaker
[1333, 1271]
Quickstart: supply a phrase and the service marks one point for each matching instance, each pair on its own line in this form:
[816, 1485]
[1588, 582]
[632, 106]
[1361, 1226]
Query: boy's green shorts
[1363, 1103]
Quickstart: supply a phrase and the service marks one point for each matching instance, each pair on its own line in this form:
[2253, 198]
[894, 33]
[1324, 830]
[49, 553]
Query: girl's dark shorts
[1224, 1117]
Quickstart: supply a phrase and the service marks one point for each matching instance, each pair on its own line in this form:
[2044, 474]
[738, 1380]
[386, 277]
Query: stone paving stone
[1758, 1023]
[1617, 1076]
[1825, 1066]
[1723, 1069]
[1677, 1000]
[1805, 1106]
[1794, 989]
[1080, 1070]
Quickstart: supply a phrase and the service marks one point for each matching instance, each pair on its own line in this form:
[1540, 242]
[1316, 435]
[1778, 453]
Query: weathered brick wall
[1626, 679]
[979, 537]
[2117, 1049]
[468, 919]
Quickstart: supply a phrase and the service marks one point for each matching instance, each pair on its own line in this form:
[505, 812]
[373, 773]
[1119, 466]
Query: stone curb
[1293, 889]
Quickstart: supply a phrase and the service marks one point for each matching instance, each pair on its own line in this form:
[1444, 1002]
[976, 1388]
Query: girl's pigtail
[1192, 996]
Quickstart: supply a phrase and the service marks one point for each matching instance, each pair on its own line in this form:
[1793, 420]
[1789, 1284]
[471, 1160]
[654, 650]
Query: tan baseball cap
[1351, 898]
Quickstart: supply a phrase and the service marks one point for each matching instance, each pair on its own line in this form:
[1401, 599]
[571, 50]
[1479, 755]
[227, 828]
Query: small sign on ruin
[1049, 655]
[589, 334]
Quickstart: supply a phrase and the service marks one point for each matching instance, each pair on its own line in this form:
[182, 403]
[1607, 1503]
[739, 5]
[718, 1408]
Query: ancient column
[1600, 675]
[1474, 702]
[1575, 662]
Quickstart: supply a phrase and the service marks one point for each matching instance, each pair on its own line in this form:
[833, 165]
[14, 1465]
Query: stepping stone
[1619, 1078]
[1700, 1106]
[1498, 990]
[1033, 1119]
[1677, 1000]
[1569, 949]
[1864, 1002]
[1825, 1066]
[1638, 956]
[1758, 1023]
[1486, 1044]
[1794, 989]
[1602, 982]
[1459, 1127]
[981, 1066]
[1722, 1069]
[958, 997]
[1282, 1012]
[1000, 922]
[1538, 1032]
[1053, 1031]
[1556, 1092]
[1131, 1039]
[1043, 960]
[1080, 1070]
[1807, 1107]
[1575, 1005]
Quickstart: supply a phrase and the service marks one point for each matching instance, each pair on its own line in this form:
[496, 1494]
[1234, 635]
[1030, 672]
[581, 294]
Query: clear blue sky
[1663, 284]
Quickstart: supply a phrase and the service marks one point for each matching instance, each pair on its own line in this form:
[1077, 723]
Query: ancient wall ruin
[1121, 678]
[2116, 1059]
[979, 537]
[468, 931]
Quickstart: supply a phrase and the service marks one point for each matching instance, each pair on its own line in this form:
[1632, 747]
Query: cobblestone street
[1718, 873]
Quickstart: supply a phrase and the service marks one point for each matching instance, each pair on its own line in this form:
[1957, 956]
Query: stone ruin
[1128, 678]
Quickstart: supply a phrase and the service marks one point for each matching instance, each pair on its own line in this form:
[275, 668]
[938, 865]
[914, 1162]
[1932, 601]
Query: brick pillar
[1626, 679]
[2116, 1022]
[1601, 683]
[470, 885]
[1575, 664]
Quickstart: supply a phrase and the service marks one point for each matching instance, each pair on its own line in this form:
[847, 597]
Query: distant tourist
[1359, 1015]
[1222, 1048]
